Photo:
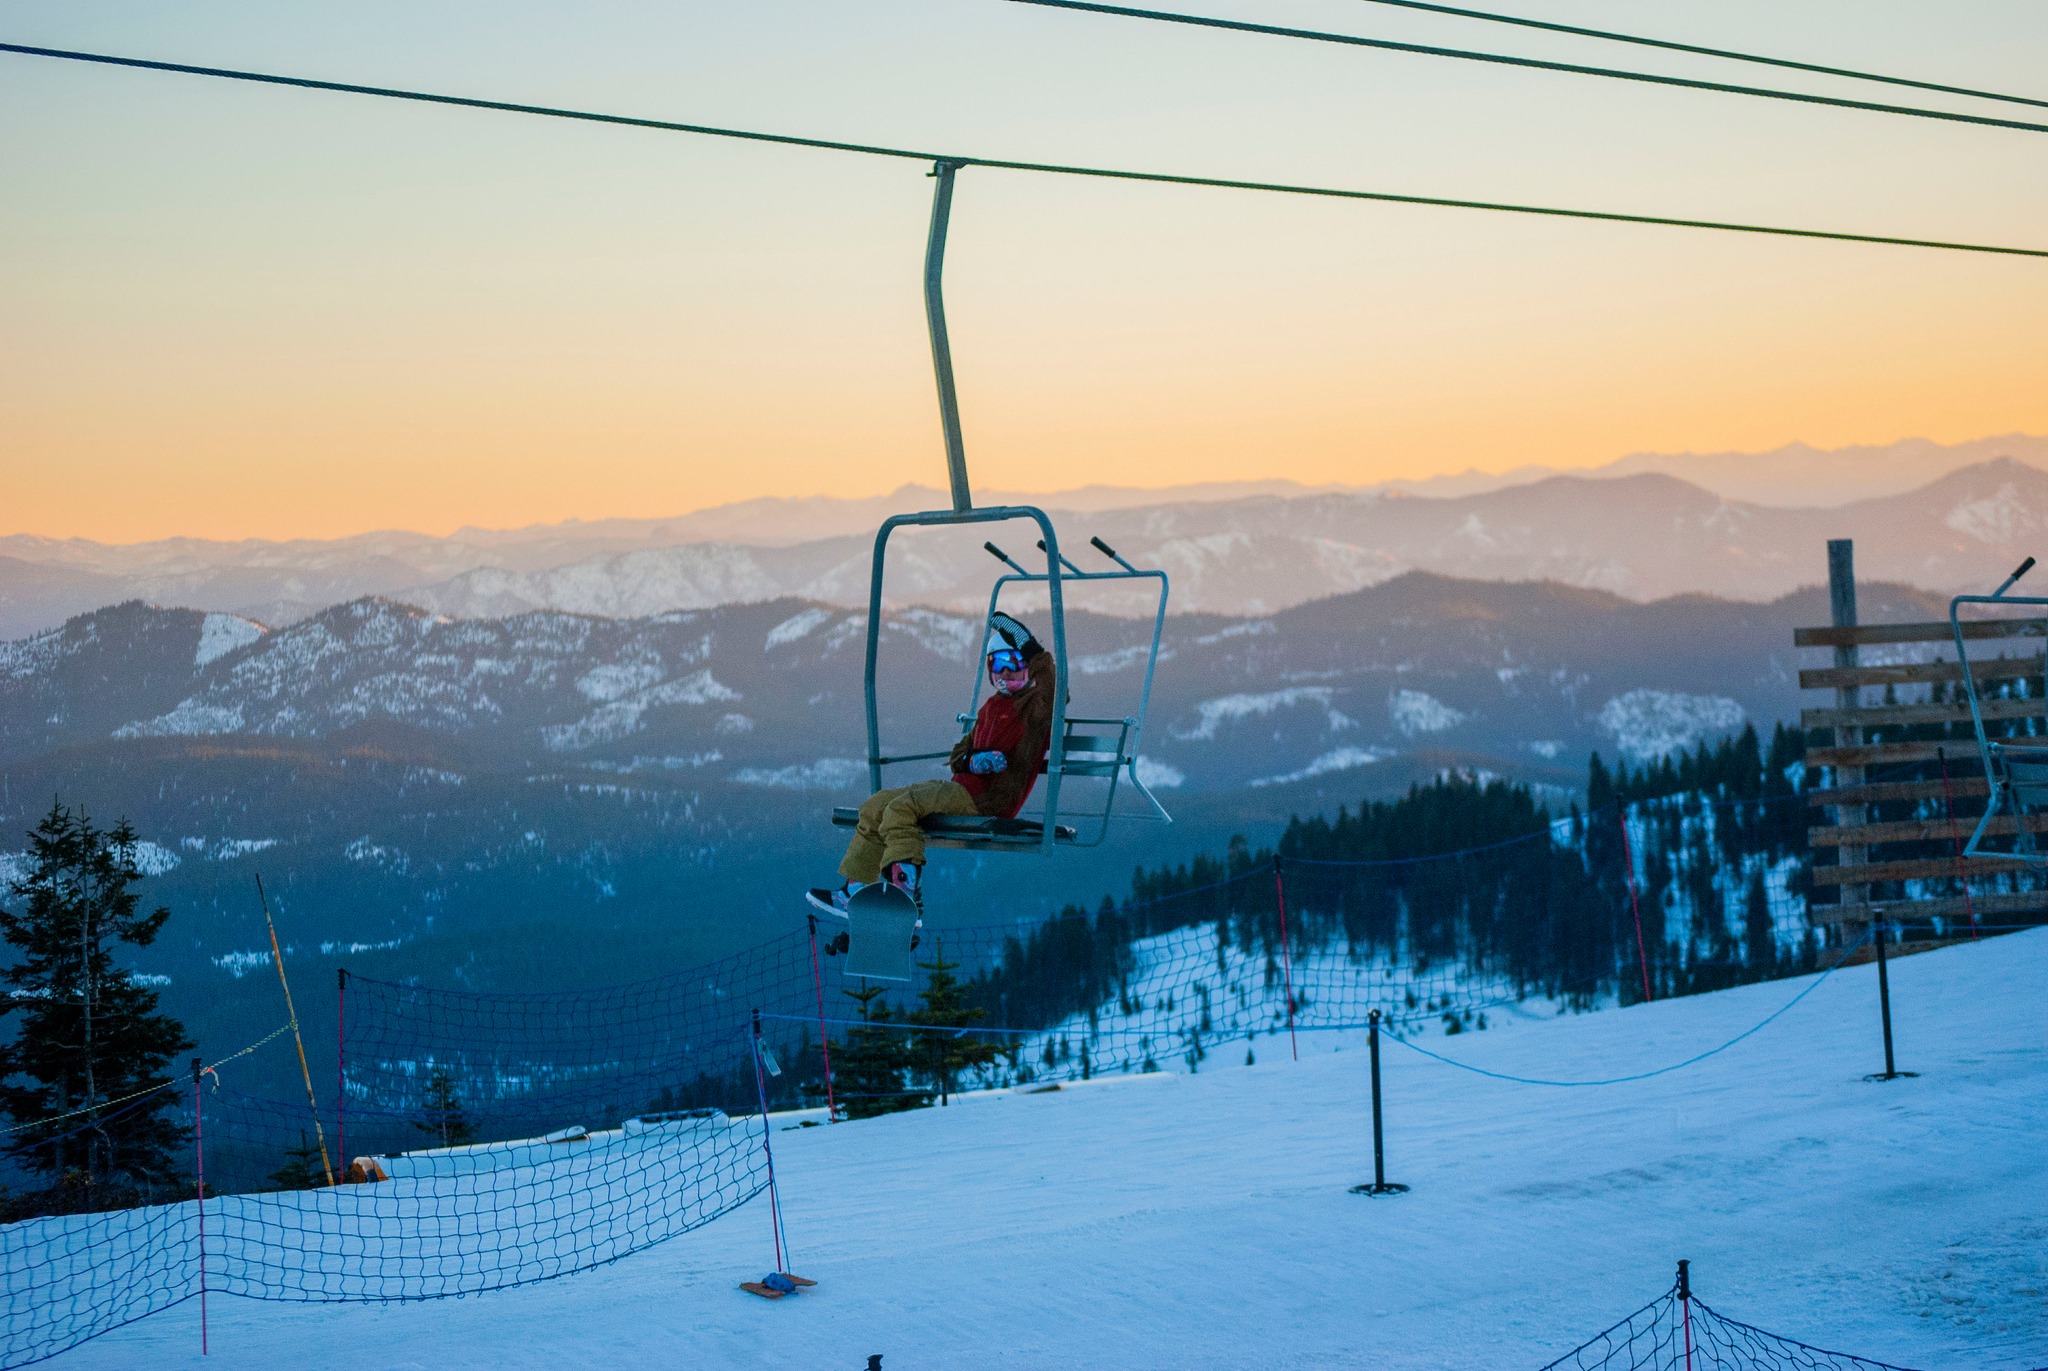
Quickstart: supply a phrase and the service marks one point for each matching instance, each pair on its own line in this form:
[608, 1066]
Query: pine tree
[871, 1063]
[444, 1117]
[89, 1042]
[299, 1171]
[947, 1054]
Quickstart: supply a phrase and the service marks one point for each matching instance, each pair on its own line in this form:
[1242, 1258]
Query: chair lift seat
[972, 830]
[1101, 753]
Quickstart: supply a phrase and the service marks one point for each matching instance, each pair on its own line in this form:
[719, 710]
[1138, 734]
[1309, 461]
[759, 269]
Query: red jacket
[1018, 726]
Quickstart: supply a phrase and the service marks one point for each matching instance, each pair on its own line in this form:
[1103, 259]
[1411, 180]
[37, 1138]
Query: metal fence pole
[1379, 1185]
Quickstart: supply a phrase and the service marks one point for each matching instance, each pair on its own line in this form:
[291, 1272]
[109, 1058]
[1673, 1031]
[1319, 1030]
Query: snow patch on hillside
[1417, 711]
[227, 849]
[795, 627]
[390, 859]
[1233, 708]
[152, 860]
[191, 718]
[943, 635]
[1107, 663]
[220, 634]
[240, 964]
[1998, 518]
[827, 773]
[623, 717]
[1649, 724]
[1251, 629]
[26, 657]
[614, 680]
[1338, 759]
[14, 868]
[1157, 775]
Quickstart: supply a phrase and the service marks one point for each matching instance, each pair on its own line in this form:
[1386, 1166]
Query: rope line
[1043, 168]
[152, 1090]
[1642, 1075]
[1726, 54]
[1535, 63]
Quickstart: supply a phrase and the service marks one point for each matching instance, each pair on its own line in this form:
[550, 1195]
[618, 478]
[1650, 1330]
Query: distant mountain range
[1249, 549]
[556, 799]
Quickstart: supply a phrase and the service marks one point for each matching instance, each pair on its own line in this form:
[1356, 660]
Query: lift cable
[1788, 64]
[1505, 60]
[1005, 164]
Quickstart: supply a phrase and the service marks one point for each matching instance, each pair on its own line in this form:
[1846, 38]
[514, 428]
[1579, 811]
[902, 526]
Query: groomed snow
[1179, 1221]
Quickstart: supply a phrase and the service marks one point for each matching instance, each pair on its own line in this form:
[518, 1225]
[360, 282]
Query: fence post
[1685, 1303]
[1379, 1184]
[199, 1171]
[1628, 867]
[767, 1148]
[1286, 958]
[1891, 1071]
[1842, 613]
[341, 1068]
[824, 1041]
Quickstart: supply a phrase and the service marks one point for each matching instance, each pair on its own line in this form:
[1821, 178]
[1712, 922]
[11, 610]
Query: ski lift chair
[1100, 749]
[2016, 769]
[1104, 749]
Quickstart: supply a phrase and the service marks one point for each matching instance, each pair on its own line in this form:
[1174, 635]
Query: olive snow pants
[887, 830]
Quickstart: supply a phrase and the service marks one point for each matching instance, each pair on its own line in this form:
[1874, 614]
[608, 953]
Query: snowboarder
[994, 767]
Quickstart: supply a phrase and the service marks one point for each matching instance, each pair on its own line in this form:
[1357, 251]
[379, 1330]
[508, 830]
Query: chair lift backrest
[1104, 749]
[2026, 772]
[2016, 770]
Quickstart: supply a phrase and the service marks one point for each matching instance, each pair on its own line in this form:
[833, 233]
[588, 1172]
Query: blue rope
[1642, 1075]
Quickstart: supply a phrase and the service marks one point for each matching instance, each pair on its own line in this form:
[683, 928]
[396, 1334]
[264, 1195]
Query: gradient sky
[229, 311]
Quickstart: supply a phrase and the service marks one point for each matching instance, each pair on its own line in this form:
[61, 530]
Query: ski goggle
[1005, 660]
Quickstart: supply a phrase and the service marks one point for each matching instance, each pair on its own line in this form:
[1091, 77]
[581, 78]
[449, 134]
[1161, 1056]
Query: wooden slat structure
[2013, 652]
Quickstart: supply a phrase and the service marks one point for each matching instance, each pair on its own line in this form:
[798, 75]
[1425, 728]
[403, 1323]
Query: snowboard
[767, 1292]
[884, 926]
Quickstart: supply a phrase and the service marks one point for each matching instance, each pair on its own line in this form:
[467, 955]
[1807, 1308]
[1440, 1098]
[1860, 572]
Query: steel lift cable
[1007, 164]
[1726, 54]
[1537, 63]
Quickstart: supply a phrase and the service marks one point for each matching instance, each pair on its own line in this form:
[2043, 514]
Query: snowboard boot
[908, 877]
[829, 900]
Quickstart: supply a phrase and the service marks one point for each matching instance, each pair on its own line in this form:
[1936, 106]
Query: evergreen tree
[303, 1168]
[444, 1119]
[947, 1054]
[871, 1064]
[88, 1042]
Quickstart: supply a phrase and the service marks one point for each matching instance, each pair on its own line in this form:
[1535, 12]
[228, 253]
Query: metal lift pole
[942, 352]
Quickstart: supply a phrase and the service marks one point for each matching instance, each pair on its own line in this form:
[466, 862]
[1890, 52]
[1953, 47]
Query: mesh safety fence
[458, 1193]
[1678, 1331]
[497, 1138]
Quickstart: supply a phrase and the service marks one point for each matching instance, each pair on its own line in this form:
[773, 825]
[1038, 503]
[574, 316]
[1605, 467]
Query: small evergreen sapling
[946, 1054]
[444, 1119]
[303, 1168]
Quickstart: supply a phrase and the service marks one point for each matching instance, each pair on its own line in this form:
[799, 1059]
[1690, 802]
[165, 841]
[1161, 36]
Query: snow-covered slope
[1180, 1221]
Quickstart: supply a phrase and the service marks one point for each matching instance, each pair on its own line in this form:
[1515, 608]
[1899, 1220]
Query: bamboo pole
[277, 955]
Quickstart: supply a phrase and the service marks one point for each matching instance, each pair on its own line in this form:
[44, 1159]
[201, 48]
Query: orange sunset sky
[231, 311]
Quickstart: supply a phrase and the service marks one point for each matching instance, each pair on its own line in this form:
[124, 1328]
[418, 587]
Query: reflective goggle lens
[1005, 659]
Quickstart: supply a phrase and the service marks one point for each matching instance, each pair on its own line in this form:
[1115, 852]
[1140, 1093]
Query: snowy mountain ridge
[1643, 533]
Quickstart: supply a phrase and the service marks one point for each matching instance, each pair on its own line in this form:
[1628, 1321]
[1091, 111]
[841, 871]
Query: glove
[987, 763]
